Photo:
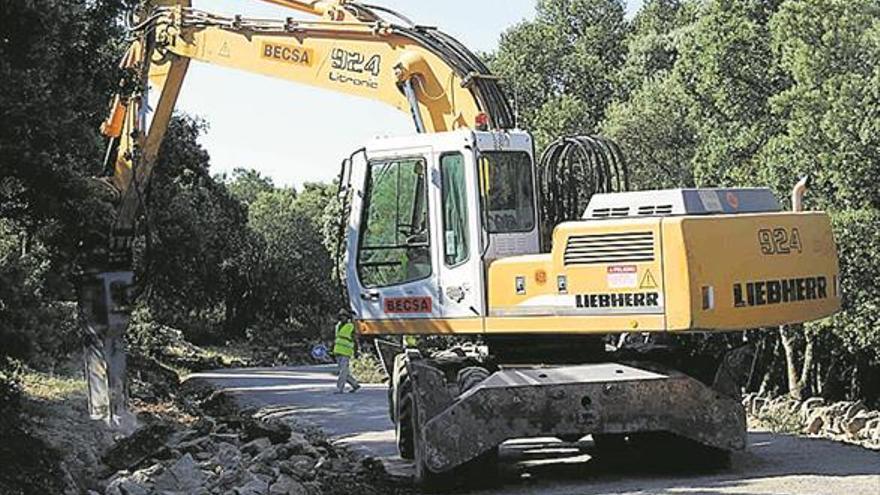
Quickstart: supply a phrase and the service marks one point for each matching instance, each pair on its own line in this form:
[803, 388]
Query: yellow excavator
[445, 236]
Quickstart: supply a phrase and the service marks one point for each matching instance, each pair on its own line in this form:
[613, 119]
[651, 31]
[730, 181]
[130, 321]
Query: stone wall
[847, 421]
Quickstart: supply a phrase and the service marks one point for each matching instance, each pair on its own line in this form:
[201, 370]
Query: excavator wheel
[404, 430]
[481, 472]
[470, 377]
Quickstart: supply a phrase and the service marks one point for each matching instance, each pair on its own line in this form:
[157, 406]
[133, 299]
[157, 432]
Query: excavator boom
[351, 49]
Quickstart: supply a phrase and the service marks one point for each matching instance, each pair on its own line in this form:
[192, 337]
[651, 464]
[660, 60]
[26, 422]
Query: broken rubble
[255, 485]
[815, 423]
[227, 457]
[185, 475]
[125, 486]
[240, 455]
[254, 447]
[140, 446]
[274, 430]
[285, 485]
[196, 445]
[298, 444]
[810, 405]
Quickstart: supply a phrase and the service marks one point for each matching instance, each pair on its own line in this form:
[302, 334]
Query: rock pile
[850, 421]
[242, 456]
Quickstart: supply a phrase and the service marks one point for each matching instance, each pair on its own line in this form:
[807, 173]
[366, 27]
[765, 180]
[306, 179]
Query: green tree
[313, 200]
[652, 43]
[57, 65]
[198, 250]
[726, 69]
[650, 119]
[657, 139]
[247, 184]
[296, 294]
[560, 66]
[830, 51]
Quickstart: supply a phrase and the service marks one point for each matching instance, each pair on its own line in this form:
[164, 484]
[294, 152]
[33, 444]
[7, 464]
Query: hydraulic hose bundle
[571, 170]
[486, 88]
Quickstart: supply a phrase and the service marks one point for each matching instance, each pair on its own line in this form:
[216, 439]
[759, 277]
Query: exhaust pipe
[797, 194]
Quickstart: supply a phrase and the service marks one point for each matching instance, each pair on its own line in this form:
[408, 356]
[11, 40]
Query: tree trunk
[767, 385]
[797, 370]
[804, 384]
[759, 353]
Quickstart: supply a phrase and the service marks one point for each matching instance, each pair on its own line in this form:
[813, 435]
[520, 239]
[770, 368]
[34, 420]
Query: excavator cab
[428, 212]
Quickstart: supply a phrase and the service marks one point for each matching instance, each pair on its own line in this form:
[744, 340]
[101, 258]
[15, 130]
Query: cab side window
[395, 238]
[507, 185]
[455, 209]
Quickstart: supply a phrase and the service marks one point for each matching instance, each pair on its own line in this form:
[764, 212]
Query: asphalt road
[773, 464]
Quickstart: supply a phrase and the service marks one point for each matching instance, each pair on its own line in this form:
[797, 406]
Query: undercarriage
[453, 409]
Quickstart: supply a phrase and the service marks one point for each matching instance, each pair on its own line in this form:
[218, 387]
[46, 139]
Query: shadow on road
[773, 464]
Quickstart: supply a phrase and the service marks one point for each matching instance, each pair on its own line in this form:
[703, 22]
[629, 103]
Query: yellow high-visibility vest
[344, 345]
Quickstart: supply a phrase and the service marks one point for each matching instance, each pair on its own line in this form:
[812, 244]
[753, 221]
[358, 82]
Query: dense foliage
[56, 67]
[731, 93]
[219, 257]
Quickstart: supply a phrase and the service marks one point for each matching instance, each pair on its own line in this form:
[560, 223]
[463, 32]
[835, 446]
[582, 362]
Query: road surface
[773, 465]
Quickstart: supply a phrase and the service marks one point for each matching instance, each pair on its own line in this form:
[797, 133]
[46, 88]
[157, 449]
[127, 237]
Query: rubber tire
[479, 473]
[470, 377]
[404, 425]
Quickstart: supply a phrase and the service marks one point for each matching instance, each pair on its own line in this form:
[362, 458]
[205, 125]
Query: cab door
[390, 241]
[460, 246]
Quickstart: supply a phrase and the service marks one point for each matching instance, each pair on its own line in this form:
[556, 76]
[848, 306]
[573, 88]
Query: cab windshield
[509, 191]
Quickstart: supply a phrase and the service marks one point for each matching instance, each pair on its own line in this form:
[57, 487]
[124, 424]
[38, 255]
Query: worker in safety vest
[343, 348]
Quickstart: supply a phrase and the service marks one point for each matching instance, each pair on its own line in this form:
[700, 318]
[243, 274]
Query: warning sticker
[648, 281]
[623, 277]
[732, 200]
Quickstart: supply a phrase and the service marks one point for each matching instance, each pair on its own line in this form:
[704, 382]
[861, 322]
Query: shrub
[367, 369]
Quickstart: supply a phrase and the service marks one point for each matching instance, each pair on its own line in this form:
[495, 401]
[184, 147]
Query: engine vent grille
[597, 249]
[621, 212]
[655, 210]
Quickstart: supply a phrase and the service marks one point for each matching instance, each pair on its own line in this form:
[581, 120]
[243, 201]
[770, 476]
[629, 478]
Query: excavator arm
[352, 49]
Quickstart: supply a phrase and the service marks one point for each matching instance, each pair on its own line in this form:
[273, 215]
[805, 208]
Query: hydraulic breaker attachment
[105, 310]
[569, 401]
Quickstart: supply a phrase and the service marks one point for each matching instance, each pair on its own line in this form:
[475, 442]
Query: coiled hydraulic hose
[571, 170]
